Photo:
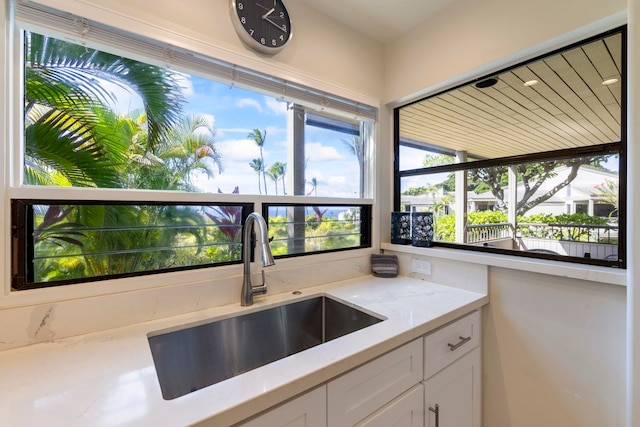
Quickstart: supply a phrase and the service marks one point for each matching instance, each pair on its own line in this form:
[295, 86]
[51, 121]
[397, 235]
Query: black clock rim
[246, 38]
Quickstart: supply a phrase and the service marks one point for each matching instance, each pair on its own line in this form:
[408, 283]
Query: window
[67, 241]
[305, 229]
[527, 161]
[139, 158]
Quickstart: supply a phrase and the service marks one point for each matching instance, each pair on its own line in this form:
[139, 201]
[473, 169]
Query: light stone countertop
[108, 378]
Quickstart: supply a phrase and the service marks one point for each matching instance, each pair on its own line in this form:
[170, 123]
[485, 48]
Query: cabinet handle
[463, 340]
[437, 412]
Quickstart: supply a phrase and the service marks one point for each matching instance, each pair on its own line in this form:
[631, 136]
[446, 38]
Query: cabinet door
[307, 410]
[359, 393]
[454, 393]
[405, 411]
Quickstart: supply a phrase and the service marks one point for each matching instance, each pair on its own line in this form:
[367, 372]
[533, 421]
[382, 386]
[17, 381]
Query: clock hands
[268, 19]
[267, 16]
[281, 28]
[269, 12]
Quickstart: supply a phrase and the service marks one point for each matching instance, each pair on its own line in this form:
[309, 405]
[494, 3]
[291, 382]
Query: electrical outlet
[421, 266]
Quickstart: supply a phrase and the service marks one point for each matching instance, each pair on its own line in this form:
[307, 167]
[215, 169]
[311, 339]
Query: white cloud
[317, 152]
[248, 103]
[236, 174]
[276, 106]
[184, 81]
[337, 181]
[238, 150]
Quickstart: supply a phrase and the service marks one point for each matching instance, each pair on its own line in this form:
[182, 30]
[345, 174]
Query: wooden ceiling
[568, 107]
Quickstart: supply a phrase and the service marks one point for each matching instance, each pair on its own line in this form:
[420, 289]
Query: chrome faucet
[248, 290]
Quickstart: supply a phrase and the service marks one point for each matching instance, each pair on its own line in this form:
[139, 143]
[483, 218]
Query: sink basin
[195, 357]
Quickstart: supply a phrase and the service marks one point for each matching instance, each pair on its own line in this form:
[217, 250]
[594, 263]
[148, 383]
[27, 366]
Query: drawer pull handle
[463, 340]
[437, 412]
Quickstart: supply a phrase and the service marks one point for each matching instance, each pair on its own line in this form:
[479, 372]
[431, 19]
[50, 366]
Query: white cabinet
[404, 411]
[453, 394]
[361, 392]
[452, 386]
[307, 410]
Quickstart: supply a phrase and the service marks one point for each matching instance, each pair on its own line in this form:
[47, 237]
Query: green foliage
[319, 235]
[446, 225]
[560, 227]
[437, 160]
[70, 133]
[567, 226]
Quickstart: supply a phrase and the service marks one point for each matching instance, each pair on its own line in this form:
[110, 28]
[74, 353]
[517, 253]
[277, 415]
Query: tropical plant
[259, 138]
[277, 172]
[356, 147]
[74, 138]
[190, 148]
[608, 192]
[256, 165]
[314, 187]
[71, 134]
[228, 219]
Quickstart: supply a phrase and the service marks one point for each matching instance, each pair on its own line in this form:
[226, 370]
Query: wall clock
[264, 25]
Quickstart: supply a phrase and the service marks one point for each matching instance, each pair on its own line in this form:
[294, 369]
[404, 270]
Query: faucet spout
[248, 290]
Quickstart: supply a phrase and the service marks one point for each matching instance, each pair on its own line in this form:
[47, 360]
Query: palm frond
[68, 145]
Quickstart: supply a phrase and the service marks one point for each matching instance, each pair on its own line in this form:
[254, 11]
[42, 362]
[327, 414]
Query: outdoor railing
[566, 232]
[569, 232]
[487, 232]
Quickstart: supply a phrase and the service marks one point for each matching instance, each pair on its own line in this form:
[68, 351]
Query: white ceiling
[569, 107]
[381, 20]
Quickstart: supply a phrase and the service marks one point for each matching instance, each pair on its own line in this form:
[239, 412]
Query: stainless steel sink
[195, 357]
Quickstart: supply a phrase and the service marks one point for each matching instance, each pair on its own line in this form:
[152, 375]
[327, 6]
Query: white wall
[469, 35]
[554, 352]
[554, 347]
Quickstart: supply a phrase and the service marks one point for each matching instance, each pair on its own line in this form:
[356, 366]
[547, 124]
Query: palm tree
[314, 187]
[72, 136]
[259, 138]
[276, 172]
[274, 177]
[356, 147]
[256, 165]
[191, 147]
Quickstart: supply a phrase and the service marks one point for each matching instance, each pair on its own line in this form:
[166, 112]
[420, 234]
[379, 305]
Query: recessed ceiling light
[610, 81]
[486, 83]
[530, 82]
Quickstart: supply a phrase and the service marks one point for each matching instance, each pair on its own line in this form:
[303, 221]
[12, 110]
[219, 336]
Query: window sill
[599, 274]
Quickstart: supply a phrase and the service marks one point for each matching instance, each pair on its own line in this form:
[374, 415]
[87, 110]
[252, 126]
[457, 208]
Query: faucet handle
[263, 284]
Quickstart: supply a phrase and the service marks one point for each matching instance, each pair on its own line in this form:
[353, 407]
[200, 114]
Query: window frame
[618, 148]
[22, 228]
[366, 218]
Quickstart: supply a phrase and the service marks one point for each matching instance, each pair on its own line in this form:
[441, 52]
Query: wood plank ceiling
[568, 107]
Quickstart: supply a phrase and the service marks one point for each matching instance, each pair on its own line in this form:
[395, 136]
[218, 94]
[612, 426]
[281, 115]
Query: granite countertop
[108, 378]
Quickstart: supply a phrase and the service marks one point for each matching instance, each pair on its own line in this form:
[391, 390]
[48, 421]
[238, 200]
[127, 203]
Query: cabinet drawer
[308, 410]
[405, 411]
[448, 343]
[359, 393]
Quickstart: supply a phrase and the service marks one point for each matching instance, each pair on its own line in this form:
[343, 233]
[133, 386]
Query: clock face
[264, 25]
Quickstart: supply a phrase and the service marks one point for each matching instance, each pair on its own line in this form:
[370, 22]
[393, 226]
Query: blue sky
[236, 112]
